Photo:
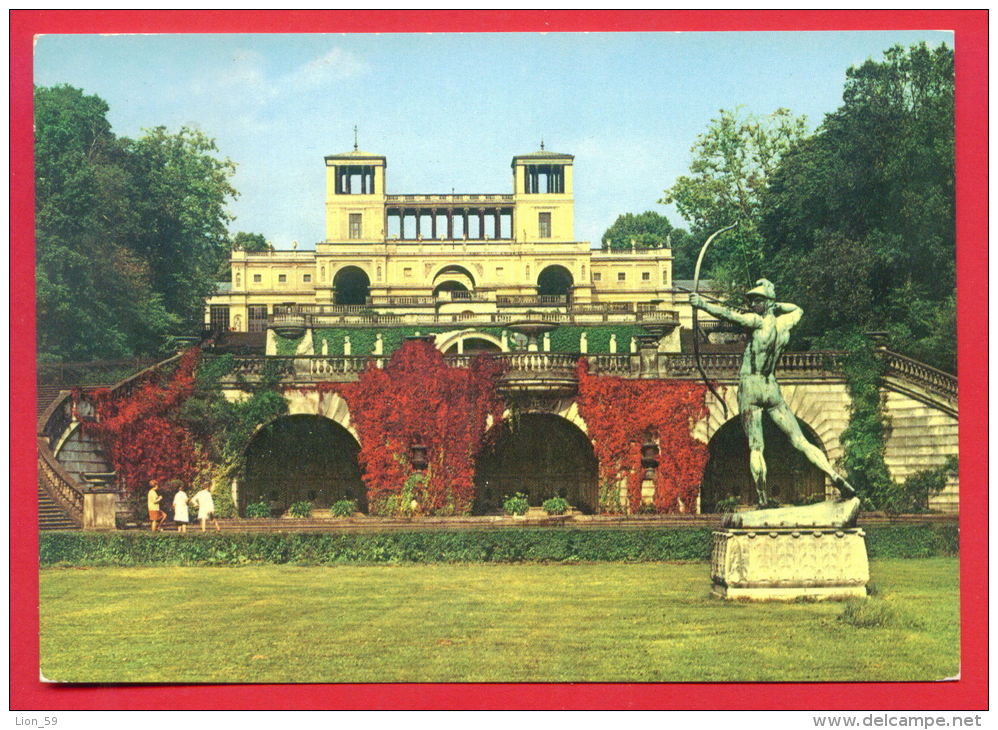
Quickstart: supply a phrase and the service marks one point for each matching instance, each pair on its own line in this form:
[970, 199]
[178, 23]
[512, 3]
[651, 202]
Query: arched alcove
[555, 281]
[301, 458]
[541, 455]
[790, 477]
[351, 286]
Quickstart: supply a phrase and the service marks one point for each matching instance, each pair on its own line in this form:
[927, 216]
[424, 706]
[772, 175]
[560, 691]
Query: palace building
[435, 259]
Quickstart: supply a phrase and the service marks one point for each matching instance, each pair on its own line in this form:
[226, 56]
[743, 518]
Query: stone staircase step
[50, 515]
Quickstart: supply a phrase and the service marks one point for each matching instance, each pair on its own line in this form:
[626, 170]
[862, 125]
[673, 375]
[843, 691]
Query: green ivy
[864, 440]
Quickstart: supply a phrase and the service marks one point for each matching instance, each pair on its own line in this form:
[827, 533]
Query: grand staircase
[50, 515]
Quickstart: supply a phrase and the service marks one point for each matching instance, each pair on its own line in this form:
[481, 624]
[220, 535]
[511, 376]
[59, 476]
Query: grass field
[484, 623]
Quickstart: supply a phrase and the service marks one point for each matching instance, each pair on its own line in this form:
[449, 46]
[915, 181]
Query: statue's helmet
[763, 288]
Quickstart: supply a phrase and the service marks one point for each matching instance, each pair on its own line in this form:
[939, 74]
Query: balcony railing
[446, 199]
[532, 300]
[721, 366]
[330, 315]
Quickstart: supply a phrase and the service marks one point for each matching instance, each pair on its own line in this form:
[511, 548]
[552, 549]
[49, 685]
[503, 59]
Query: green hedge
[496, 546]
[912, 541]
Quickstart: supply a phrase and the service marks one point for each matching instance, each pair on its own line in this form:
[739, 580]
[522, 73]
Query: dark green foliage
[300, 509]
[646, 230]
[500, 545]
[858, 221]
[225, 426]
[912, 541]
[517, 504]
[129, 233]
[343, 508]
[913, 494]
[242, 241]
[253, 242]
[864, 439]
[258, 509]
[555, 506]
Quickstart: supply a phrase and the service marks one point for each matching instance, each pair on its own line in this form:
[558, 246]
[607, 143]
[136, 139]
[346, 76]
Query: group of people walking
[202, 502]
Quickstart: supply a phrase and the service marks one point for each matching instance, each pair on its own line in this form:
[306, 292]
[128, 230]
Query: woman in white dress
[180, 514]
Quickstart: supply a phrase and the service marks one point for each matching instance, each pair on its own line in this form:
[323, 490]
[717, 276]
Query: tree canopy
[652, 230]
[129, 233]
[859, 220]
[856, 222]
[732, 164]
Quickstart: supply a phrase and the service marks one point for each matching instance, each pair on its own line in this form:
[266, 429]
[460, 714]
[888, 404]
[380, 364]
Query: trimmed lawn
[644, 622]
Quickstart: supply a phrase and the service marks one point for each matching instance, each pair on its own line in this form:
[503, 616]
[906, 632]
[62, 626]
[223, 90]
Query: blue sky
[450, 110]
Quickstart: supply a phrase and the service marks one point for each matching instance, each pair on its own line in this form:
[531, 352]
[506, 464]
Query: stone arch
[540, 454]
[330, 405]
[351, 285]
[448, 343]
[555, 280]
[823, 406]
[451, 277]
[791, 478]
[301, 457]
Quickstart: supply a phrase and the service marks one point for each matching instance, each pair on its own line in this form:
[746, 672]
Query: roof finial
[542, 144]
[355, 138]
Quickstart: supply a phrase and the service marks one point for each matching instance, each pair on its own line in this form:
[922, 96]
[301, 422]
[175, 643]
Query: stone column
[481, 223]
[450, 224]
[433, 223]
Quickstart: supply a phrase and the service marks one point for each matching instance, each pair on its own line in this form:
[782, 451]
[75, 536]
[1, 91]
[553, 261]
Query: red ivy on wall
[620, 413]
[139, 432]
[419, 397]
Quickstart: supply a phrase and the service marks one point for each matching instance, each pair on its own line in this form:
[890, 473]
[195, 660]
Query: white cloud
[334, 65]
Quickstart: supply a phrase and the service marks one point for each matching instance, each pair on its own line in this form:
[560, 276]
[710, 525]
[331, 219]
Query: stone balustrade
[59, 483]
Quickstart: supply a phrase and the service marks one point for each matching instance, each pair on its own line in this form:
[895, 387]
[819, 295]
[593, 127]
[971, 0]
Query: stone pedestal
[784, 564]
[99, 507]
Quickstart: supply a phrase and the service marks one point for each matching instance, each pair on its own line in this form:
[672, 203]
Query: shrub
[300, 509]
[343, 508]
[517, 504]
[647, 508]
[728, 504]
[555, 506]
[258, 509]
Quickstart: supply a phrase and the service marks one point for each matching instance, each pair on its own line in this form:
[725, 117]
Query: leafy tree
[128, 233]
[253, 242]
[646, 230]
[863, 212]
[731, 168]
[95, 297]
[652, 230]
[182, 193]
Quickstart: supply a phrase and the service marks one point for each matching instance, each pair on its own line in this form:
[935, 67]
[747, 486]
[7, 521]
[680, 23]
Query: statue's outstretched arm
[745, 319]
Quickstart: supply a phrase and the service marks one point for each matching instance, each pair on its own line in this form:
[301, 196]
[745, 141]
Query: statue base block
[787, 564]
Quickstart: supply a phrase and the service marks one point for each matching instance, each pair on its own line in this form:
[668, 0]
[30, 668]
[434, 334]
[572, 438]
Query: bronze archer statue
[768, 324]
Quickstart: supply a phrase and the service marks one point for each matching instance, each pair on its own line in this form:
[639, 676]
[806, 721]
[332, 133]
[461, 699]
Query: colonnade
[447, 219]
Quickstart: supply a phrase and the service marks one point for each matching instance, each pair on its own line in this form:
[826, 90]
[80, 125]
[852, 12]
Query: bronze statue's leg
[784, 418]
[752, 423]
